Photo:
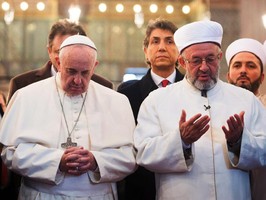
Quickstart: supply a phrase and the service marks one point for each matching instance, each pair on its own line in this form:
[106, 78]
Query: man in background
[161, 56]
[246, 59]
[58, 33]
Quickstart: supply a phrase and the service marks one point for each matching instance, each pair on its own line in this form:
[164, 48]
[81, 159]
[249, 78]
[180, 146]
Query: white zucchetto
[245, 45]
[198, 32]
[78, 39]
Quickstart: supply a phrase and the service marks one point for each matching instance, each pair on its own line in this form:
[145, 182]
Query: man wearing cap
[161, 57]
[69, 147]
[199, 135]
[59, 31]
[246, 59]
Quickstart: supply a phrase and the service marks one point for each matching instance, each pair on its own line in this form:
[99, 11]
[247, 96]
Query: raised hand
[194, 128]
[235, 128]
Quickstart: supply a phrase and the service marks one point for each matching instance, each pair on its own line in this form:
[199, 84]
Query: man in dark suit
[161, 56]
[58, 33]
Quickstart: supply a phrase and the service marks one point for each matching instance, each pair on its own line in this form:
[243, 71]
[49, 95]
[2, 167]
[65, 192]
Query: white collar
[158, 79]
[53, 71]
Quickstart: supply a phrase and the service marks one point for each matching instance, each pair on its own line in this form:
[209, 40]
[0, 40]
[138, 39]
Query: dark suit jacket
[141, 184]
[138, 90]
[44, 72]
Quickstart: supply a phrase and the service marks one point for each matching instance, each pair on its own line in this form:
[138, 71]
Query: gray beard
[204, 85]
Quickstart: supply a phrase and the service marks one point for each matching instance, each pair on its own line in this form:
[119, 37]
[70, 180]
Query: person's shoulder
[127, 85]
[237, 93]
[103, 81]
[167, 92]
[135, 84]
[38, 86]
[35, 91]
[100, 88]
[28, 75]
[25, 75]
[104, 92]
[262, 98]
[236, 89]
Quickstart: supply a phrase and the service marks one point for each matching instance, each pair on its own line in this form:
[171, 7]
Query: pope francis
[69, 137]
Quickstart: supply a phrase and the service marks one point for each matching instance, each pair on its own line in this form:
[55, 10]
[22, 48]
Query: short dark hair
[158, 23]
[64, 27]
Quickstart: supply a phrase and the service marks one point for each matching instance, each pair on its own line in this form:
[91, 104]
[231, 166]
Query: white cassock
[33, 130]
[213, 172]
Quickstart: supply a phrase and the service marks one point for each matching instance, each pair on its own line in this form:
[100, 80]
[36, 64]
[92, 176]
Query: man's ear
[49, 49]
[94, 67]
[227, 75]
[95, 64]
[181, 62]
[58, 63]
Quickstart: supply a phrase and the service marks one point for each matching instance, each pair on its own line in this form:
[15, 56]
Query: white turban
[198, 32]
[245, 45]
[78, 39]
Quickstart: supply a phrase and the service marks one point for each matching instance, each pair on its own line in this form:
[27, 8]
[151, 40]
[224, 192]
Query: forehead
[77, 55]
[245, 57]
[201, 49]
[161, 33]
[77, 50]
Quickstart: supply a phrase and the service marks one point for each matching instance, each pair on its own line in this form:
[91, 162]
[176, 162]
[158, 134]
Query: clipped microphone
[207, 107]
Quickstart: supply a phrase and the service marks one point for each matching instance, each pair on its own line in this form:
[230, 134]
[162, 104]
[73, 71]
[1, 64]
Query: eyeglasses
[210, 60]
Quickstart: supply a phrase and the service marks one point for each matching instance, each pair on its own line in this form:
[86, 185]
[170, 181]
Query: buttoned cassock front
[213, 172]
[30, 132]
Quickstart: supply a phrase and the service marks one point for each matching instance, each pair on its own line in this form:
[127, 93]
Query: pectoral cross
[68, 143]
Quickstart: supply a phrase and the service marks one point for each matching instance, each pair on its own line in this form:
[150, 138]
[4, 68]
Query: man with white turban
[246, 59]
[69, 137]
[201, 135]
